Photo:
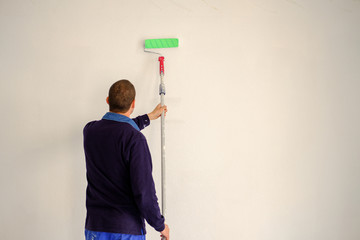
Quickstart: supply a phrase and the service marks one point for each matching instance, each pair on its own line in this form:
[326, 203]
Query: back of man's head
[121, 95]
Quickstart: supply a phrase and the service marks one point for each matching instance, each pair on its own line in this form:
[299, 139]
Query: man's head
[121, 96]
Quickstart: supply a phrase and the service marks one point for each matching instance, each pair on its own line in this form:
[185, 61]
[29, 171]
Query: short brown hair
[121, 95]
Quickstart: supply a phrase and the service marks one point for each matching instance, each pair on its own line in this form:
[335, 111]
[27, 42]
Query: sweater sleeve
[142, 184]
[142, 121]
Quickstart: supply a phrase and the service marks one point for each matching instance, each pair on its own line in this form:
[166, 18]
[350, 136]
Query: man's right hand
[165, 233]
[156, 113]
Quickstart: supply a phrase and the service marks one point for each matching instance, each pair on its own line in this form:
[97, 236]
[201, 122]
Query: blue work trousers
[92, 235]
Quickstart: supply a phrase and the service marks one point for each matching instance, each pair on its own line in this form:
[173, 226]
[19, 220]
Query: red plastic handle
[161, 60]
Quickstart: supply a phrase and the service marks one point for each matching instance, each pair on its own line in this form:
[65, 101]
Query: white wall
[263, 123]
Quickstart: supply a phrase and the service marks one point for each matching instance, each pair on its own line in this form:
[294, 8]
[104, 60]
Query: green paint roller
[161, 43]
[153, 44]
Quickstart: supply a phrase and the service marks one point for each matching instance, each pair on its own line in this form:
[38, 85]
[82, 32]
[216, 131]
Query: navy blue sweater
[121, 191]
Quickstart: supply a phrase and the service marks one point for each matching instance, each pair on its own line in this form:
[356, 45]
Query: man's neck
[127, 114]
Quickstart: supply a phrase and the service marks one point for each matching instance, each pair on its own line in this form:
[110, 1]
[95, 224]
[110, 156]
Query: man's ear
[133, 104]
[107, 100]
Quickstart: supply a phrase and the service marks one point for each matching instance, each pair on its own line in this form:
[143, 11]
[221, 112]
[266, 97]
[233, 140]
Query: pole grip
[161, 60]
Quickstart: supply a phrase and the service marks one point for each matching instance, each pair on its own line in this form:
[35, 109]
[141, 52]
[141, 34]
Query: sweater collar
[120, 118]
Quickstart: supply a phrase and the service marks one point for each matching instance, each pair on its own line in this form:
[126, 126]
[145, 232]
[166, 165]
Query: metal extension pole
[163, 188]
[163, 176]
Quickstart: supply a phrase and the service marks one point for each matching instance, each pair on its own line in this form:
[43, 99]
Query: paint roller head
[161, 43]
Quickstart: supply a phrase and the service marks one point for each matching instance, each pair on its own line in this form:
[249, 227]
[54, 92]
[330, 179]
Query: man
[121, 191]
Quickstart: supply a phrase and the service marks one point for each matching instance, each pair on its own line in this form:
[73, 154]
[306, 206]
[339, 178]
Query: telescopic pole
[163, 176]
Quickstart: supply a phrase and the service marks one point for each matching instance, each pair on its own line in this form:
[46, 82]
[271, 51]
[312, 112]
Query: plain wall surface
[262, 133]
